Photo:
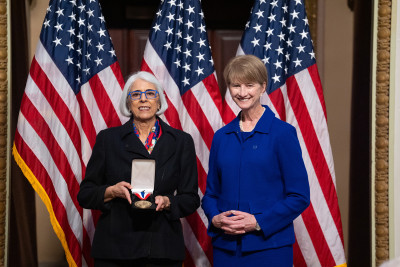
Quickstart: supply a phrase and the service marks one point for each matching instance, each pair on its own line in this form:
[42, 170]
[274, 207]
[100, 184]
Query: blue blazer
[263, 175]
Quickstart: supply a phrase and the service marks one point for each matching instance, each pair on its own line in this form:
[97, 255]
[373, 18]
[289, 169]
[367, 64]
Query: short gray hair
[148, 77]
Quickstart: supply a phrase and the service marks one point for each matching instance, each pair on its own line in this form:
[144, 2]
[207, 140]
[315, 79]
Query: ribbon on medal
[142, 194]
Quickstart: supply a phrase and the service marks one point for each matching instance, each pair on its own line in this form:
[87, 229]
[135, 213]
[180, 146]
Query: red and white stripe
[55, 134]
[318, 230]
[199, 113]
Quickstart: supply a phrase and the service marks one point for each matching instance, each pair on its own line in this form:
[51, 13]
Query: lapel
[165, 147]
[131, 142]
[163, 150]
[262, 126]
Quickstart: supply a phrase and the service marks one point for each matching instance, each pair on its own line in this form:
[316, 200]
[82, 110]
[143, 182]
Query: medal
[142, 204]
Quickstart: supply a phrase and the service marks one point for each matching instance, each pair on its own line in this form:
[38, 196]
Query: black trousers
[137, 263]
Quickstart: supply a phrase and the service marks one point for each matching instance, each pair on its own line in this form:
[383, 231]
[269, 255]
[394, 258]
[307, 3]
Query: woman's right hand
[217, 219]
[234, 222]
[224, 219]
[120, 190]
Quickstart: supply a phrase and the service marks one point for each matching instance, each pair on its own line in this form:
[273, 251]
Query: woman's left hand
[239, 223]
[163, 203]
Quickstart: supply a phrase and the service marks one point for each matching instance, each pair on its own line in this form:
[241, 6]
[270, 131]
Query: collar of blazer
[163, 150]
[263, 125]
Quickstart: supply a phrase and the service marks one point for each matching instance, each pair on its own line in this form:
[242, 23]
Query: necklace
[241, 122]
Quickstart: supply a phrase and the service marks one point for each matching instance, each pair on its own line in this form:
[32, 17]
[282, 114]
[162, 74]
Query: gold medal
[143, 204]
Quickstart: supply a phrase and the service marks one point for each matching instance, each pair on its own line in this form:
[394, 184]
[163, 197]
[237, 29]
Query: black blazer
[125, 234]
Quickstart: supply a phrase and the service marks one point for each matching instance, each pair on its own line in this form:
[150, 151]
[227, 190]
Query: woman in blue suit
[257, 183]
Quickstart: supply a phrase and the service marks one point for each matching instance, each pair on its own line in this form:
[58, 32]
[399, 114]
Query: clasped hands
[122, 190]
[235, 222]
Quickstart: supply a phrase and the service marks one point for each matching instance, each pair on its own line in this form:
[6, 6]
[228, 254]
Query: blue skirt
[274, 257]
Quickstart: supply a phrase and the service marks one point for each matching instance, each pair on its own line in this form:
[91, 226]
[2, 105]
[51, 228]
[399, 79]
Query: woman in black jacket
[134, 237]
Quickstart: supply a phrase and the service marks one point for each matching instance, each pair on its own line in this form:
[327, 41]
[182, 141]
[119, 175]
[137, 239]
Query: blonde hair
[245, 69]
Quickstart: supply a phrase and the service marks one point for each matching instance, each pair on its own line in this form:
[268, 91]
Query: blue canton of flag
[72, 93]
[178, 54]
[75, 36]
[179, 36]
[278, 33]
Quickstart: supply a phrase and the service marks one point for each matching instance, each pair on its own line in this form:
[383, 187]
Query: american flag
[278, 33]
[178, 54]
[72, 93]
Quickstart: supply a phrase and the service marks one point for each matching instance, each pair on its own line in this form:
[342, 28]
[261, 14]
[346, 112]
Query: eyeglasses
[149, 93]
